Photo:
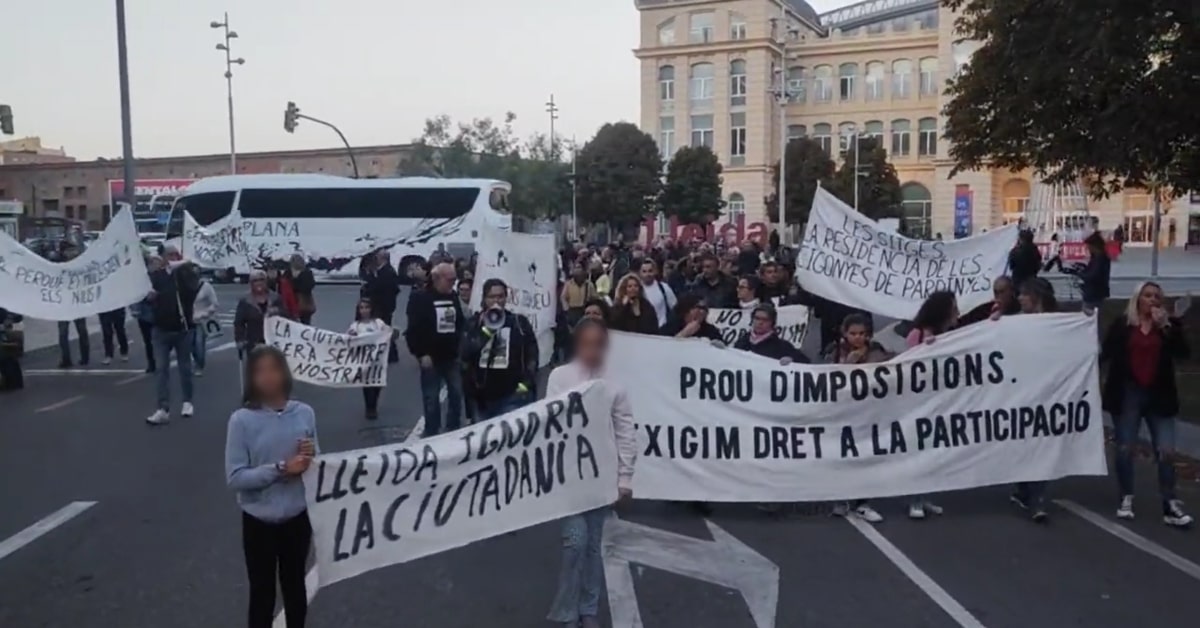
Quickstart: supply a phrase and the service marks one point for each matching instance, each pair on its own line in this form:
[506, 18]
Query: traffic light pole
[292, 114]
[126, 116]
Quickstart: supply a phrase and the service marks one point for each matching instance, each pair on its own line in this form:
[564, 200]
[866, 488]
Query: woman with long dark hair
[366, 322]
[270, 442]
[936, 316]
[1036, 296]
[631, 309]
[577, 601]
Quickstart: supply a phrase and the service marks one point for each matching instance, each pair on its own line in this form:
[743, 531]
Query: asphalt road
[160, 544]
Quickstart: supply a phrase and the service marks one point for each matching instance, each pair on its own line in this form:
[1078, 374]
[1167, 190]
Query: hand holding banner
[327, 358]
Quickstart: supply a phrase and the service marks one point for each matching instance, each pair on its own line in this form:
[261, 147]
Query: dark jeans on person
[164, 343]
[1126, 426]
[393, 352]
[113, 323]
[443, 372]
[371, 398]
[147, 330]
[64, 337]
[1054, 261]
[276, 548]
[1032, 495]
[491, 409]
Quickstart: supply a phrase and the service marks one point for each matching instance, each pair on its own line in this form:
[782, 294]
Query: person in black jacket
[717, 289]
[632, 311]
[762, 339]
[173, 293]
[381, 285]
[1024, 260]
[501, 355]
[1094, 276]
[11, 375]
[690, 320]
[1141, 348]
[435, 330]
[303, 284]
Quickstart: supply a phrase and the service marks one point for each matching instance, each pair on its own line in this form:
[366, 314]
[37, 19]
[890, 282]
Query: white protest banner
[978, 407]
[109, 275]
[526, 262]
[328, 358]
[791, 325]
[850, 259]
[382, 506]
[217, 246]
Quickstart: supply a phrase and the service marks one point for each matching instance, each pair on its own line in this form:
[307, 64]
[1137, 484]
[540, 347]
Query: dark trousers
[386, 315]
[147, 331]
[11, 375]
[64, 335]
[371, 397]
[276, 548]
[113, 323]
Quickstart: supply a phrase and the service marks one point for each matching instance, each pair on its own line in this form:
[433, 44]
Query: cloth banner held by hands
[791, 325]
[328, 358]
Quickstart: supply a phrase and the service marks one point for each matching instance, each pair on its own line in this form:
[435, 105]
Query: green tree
[1086, 90]
[692, 192]
[878, 185]
[540, 179]
[619, 176]
[807, 164]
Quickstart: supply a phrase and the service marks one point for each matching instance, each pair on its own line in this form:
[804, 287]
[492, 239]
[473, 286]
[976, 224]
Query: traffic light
[6, 120]
[290, 117]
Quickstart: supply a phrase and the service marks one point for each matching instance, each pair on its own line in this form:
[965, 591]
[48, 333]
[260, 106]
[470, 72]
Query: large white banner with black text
[526, 262]
[109, 275]
[382, 506]
[791, 325]
[328, 358]
[217, 246]
[848, 258]
[980, 406]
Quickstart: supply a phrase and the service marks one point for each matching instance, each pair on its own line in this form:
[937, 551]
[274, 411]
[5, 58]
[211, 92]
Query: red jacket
[288, 296]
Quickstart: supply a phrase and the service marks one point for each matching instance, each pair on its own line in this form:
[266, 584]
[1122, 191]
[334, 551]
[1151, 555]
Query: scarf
[749, 305]
[757, 338]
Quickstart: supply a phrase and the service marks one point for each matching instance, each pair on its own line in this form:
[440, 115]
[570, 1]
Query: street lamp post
[126, 116]
[574, 191]
[552, 109]
[782, 96]
[227, 46]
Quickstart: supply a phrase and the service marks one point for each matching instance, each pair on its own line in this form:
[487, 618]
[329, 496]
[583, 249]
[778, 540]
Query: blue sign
[962, 211]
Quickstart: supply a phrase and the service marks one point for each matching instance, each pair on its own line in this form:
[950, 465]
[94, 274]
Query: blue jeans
[582, 574]
[1162, 438]
[1032, 494]
[164, 343]
[442, 372]
[199, 347]
[493, 409]
[64, 340]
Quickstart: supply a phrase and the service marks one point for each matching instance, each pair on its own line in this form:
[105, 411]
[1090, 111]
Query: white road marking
[54, 406]
[43, 527]
[70, 372]
[418, 429]
[1129, 536]
[956, 611]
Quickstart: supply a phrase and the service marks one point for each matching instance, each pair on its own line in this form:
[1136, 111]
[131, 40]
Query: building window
[928, 67]
[737, 26]
[822, 134]
[927, 142]
[83, 214]
[736, 206]
[701, 82]
[876, 28]
[795, 84]
[846, 75]
[737, 83]
[901, 138]
[70, 211]
[917, 205]
[902, 70]
[701, 28]
[823, 83]
[737, 138]
[846, 133]
[702, 131]
[874, 80]
[927, 20]
[666, 136]
[666, 83]
[900, 24]
[796, 131]
[666, 33]
[874, 130]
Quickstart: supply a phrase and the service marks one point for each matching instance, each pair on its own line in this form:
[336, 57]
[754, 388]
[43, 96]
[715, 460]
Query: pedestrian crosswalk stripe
[1129, 536]
[43, 527]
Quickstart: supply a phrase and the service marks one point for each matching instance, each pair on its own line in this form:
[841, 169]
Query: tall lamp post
[552, 109]
[227, 46]
[783, 96]
[126, 116]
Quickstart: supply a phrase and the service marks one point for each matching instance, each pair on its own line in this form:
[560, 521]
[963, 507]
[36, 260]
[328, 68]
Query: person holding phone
[270, 443]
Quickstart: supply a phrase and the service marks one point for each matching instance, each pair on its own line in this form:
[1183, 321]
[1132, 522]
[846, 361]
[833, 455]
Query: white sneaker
[186, 409]
[1175, 516]
[868, 514]
[125, 357]
[198, 373]
[1125, 510]
[106, 361]
[159, 418]
[916, 511]
[933, 508]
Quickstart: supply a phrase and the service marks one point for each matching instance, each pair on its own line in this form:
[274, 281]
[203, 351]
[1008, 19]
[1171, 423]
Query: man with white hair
[172, 299]
[435, 327]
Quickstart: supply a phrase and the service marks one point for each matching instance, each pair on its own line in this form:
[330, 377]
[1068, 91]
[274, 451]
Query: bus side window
[498, 199]
[205, 208]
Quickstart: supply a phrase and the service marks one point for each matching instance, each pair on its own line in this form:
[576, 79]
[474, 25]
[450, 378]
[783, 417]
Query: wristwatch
[281, 466]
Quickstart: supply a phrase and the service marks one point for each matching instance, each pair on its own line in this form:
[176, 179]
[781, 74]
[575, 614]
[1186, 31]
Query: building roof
[872, 11]
[805, 11]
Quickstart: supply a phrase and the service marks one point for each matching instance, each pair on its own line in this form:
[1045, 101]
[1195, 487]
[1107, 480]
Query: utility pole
[126, 116]
[552, 109]
[227, 46]
[782, 97]
[574, 192]
[1155, 227]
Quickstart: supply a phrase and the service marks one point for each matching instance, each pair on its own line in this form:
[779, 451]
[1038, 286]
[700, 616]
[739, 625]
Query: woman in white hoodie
[203, 310]
[577, 602]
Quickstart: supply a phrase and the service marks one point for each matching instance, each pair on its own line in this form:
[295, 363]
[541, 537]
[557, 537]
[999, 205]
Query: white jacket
[569, 375]
[205, 305]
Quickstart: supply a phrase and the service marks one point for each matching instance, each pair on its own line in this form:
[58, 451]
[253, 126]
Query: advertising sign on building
[962, 211]
[153, 199]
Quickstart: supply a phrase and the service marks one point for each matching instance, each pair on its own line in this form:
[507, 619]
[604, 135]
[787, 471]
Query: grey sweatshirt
[255, 441]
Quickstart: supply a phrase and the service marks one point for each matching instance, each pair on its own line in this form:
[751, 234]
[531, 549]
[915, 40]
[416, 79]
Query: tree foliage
[807, 164]
[619, 176]
[1098, 90]
[692, 192]
[485, 149]
[878, 185]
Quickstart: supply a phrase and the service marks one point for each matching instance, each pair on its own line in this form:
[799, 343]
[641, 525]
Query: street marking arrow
[724, 561]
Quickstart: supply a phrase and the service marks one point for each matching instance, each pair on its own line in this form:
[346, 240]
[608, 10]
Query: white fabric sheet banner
[850, 259]
[526, 262]
[217, 246]
[109, 275]
[328, 358]
[978, 407]
[791, 325]
[382, 506]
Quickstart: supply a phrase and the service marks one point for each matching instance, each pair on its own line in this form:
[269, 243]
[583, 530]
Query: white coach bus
[334, 221]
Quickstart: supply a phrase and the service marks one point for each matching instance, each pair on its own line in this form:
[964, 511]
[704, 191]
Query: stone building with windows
[719, 72]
